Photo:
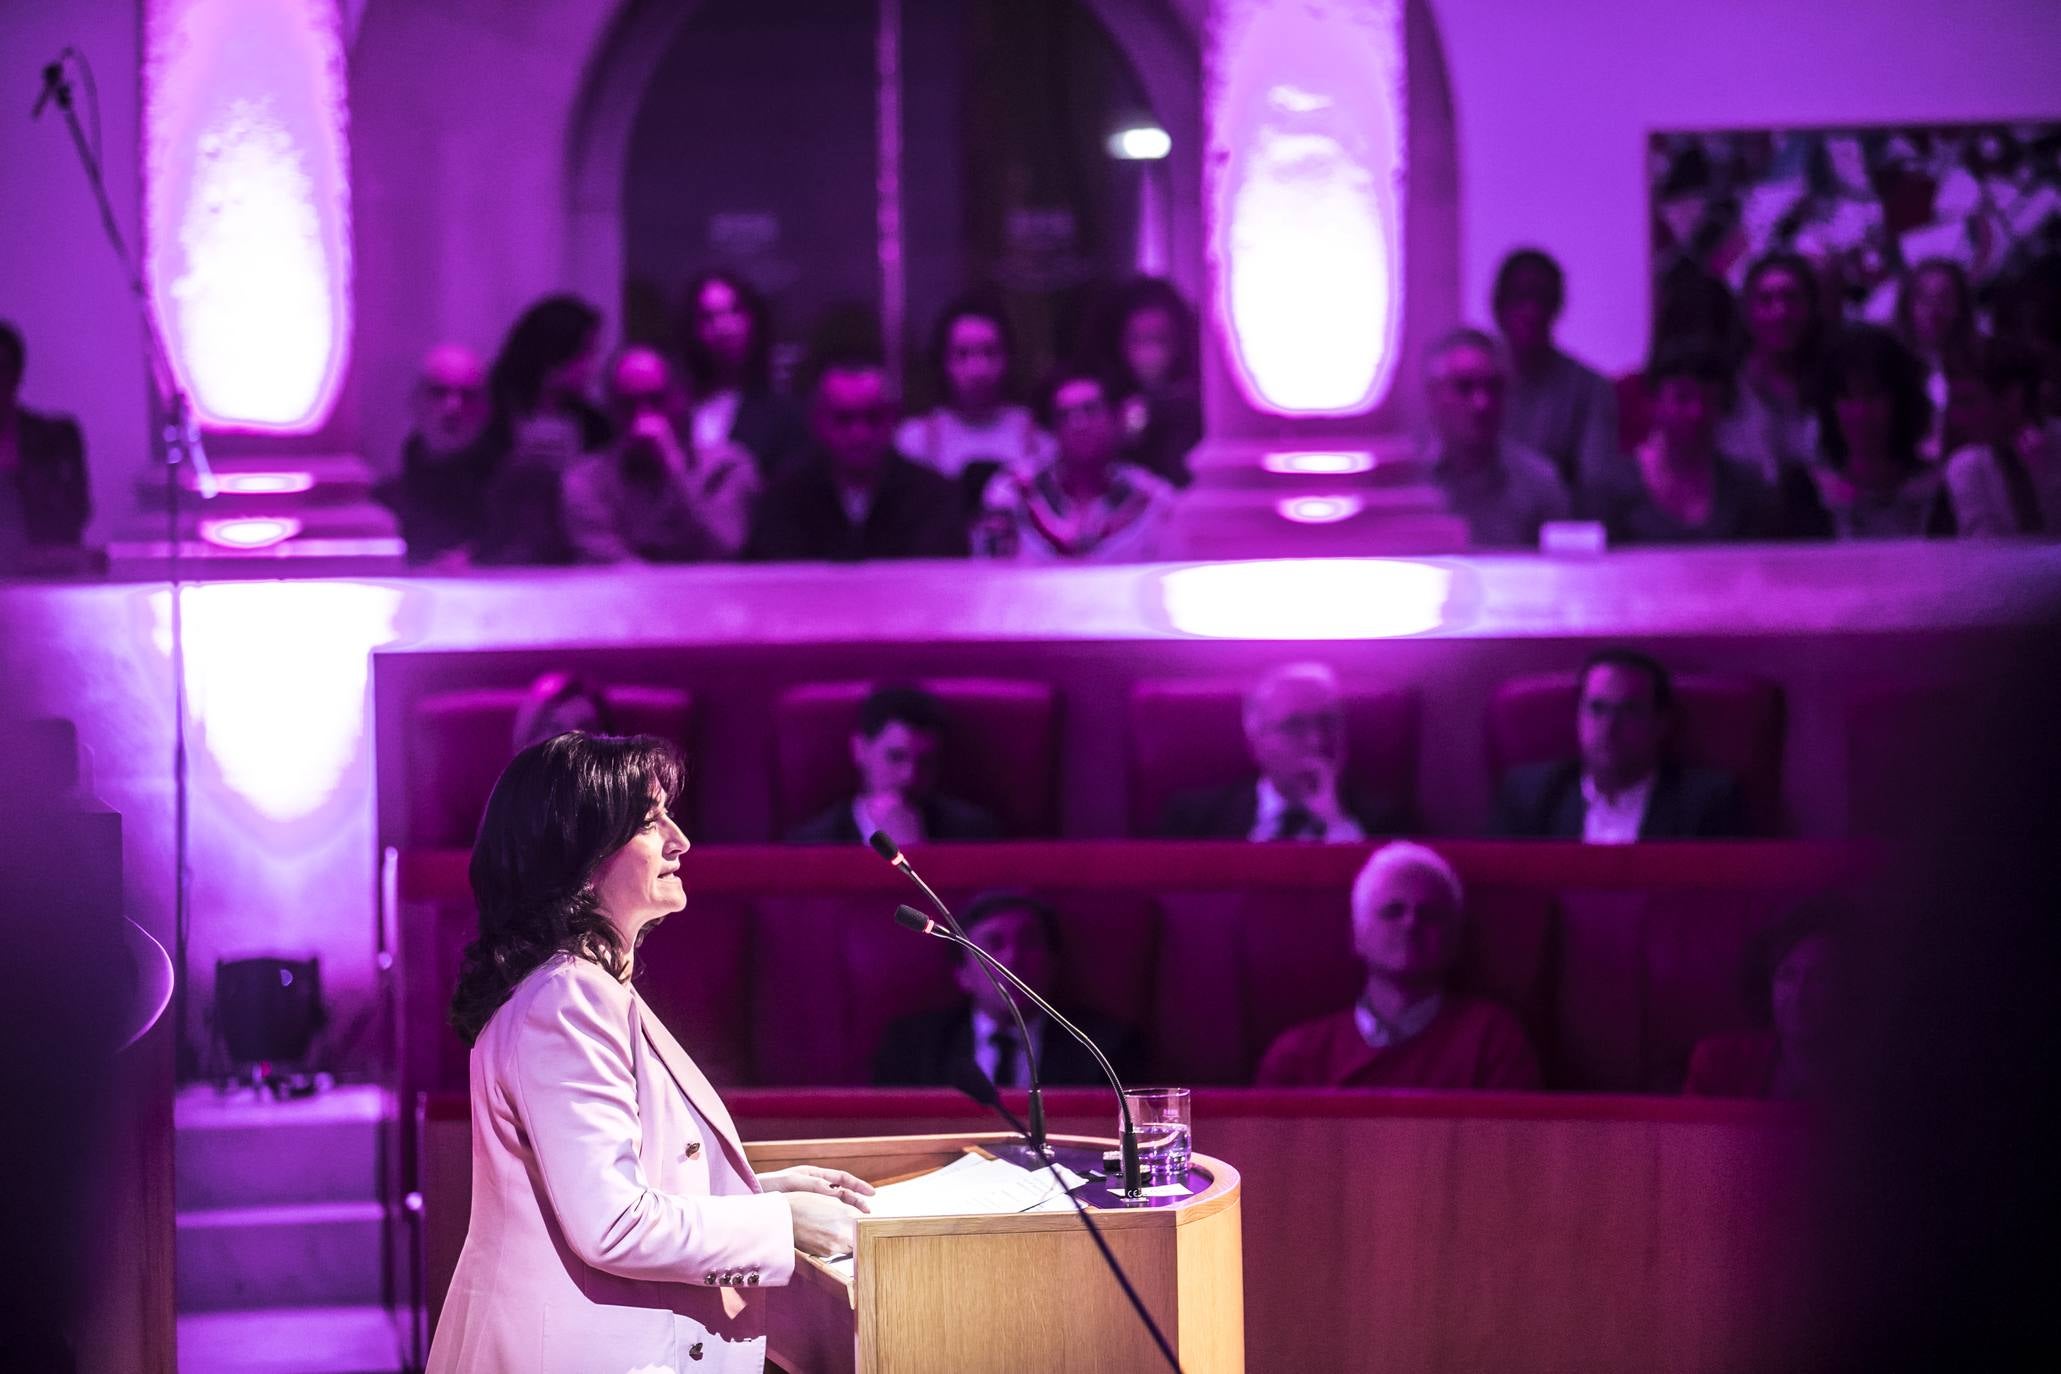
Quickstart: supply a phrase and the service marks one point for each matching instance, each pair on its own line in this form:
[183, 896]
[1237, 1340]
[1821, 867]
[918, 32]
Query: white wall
[58, 280]
[1553, 101]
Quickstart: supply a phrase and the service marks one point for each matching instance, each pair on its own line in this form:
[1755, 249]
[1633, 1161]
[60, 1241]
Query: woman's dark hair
[695, 357]
[1697, 360]
[1692, 304]
[560, 808]
[548, 335]
[974, 305]
[1799, 267]
[1873, 357]
[1824, 914]
[1134, 298]
[1962, 335]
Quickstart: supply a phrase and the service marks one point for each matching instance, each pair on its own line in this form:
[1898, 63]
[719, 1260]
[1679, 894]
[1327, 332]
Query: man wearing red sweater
[1408, 1029]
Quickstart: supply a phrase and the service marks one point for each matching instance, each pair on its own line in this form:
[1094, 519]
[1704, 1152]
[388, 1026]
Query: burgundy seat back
[1725, 722]
[1192, 735]
[830, 973]
[459, 741]
[1000, 751]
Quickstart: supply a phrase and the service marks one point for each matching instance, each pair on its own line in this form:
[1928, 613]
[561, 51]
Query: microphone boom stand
[179, 443]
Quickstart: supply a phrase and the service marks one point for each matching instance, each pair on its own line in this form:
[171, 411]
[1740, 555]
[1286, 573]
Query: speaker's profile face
[641, 881]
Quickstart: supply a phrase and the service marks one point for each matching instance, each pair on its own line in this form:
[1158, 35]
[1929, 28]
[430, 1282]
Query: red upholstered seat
[1001, 751]
[830, 973]
[1192, 734]
[458, 743]
[1727, 722]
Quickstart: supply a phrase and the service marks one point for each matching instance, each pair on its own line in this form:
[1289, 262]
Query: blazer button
[753, 1277]
[694, 1351]
[693, 1149]
[708, 1278]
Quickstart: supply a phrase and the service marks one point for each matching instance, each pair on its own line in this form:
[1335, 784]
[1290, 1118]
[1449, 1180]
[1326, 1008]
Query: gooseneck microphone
[1133, 1173]
[887, 849]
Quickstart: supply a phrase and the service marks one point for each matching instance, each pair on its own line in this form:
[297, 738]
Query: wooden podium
[1009, 1293]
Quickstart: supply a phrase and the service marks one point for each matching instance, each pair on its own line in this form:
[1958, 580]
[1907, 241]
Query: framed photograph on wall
[1864, 204]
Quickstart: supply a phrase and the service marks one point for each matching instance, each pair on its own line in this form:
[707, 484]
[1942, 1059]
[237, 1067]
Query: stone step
[291, 1340]
[244, 1150]
[312, 1254]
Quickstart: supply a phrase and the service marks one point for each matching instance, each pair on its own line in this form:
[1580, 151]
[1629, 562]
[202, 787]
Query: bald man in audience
[1409, 1028]
[437, 496]
[650, 497]
[1295, 729]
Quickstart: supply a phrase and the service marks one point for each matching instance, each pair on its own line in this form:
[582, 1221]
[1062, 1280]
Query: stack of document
[972, 1185]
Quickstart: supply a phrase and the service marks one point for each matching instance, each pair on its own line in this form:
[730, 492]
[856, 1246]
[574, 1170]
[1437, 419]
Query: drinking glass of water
[1164, 1133]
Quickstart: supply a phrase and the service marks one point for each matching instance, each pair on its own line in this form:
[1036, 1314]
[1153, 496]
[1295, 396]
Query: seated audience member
[1788, 971]
[436, 497]
[1623, 787]
[2007, 480]
[1409, 1029]
[558, 703]
[649, 497]
[1935, 318]
[1087, 505]
[897, 750]
[1692, 307]
[1148, 350]
[1678, 489]
[542, 422]
[1873, 417]
[1503, 490]
[976, 430]
[945, 1048]
[1555, 405]
[725, 337]
[44, 499]
[1295, 727]
[1773, 422]
[853, 497]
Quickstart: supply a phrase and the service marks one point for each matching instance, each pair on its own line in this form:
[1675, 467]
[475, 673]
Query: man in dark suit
[1295, 727]
[946, 1047]
[1622, 788]
[854, 497]
[896, 750]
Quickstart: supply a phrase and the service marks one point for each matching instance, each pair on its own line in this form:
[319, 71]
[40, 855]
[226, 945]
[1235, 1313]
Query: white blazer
[616, 1226]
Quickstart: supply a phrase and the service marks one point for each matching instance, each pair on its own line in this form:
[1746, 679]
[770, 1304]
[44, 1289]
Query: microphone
[887, 849]
[1134, 1174]
[53, 89]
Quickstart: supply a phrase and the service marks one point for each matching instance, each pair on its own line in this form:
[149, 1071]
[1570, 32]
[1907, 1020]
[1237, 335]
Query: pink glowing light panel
[247, 205]
[1306, 202]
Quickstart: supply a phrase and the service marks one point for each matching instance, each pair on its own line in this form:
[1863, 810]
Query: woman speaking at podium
[616, 1225]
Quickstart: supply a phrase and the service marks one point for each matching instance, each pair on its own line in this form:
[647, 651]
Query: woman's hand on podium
[826, 1204]
[824, 1227]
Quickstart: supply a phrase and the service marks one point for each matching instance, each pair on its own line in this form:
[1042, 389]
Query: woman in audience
[1680, 489]
[977, 429]
[1872, 418]
[1149, 353]
[1088, 505]
[542, 421]
[1773, 423]
[1935, 317]
[725, 338]
[1787, 977]
[558, 702]
[1693, 306]
[2007, 479]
